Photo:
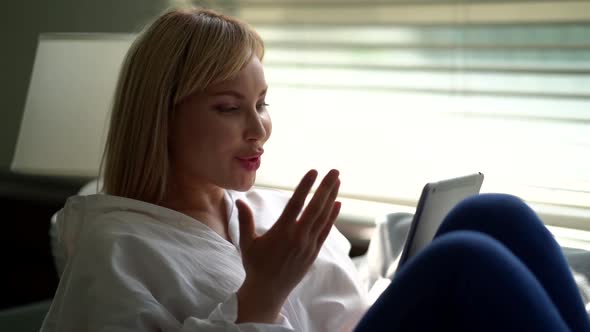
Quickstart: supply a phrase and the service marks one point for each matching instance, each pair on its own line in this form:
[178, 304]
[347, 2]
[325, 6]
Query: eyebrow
[234, 93]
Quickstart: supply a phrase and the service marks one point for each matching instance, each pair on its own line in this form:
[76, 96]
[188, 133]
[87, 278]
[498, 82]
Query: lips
[250, 162]
[254, 156]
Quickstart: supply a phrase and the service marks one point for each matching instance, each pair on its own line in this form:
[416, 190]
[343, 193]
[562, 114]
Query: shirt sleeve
[107, 286]
[227, 312]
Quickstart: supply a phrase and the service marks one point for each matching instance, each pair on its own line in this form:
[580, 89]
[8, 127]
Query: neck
[203, 202]
[194, 198]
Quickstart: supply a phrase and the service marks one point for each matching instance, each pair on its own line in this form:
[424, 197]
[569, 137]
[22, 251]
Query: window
[398, 93]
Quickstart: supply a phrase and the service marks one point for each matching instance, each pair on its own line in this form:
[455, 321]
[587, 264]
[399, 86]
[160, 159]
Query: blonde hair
[183, 52]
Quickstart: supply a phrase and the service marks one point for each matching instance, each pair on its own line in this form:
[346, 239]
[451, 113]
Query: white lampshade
[64, 124]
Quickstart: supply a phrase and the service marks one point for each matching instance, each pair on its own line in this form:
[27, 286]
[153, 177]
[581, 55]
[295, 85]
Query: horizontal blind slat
[577, 87]
[420, 14]
[538, 35]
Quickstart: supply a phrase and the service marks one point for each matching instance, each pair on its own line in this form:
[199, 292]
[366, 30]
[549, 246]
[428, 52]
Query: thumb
[247, 232]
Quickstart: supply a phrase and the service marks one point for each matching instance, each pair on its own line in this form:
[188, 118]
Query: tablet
[436, 201]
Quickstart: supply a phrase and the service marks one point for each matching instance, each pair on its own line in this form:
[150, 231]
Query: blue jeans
[493, 266]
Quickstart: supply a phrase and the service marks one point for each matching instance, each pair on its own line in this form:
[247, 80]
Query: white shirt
[135, 266]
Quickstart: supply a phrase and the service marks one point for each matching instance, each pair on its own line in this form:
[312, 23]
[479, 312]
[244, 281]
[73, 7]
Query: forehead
[249, 77]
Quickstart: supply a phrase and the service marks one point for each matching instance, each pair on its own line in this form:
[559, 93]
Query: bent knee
[491, 213]
[467, 244]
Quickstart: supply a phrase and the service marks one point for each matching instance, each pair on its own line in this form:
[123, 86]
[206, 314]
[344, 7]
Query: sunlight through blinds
[397, 93]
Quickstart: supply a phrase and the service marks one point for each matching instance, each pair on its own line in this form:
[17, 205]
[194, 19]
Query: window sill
[570, 226]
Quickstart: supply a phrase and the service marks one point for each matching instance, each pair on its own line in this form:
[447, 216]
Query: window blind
[398, 93]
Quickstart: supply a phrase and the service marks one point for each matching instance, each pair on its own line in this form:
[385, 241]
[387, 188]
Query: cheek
[190, 140]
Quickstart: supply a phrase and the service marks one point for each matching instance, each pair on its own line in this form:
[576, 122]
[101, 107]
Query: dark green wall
[20, 25]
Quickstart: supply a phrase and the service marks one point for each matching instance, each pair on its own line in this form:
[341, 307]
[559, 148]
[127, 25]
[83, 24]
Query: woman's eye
[262, 106]
[226, 109]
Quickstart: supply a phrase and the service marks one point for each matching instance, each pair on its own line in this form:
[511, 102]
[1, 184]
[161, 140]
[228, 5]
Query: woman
[180, 241]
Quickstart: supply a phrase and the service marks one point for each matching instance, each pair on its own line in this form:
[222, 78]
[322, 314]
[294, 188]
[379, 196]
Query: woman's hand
[276, 261]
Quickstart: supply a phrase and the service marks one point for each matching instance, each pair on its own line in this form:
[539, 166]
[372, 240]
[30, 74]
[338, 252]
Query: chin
[242, 185]
[242, 188]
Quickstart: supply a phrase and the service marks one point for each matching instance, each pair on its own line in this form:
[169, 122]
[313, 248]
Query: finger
[315, 206]
[247, 231]
[297, 201]
[326, 212]
[328, 226]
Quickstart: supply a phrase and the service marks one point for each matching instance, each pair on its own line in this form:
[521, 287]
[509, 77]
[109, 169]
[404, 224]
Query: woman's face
[216, 137]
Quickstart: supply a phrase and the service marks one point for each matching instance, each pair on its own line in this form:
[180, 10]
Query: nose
[255, 128]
